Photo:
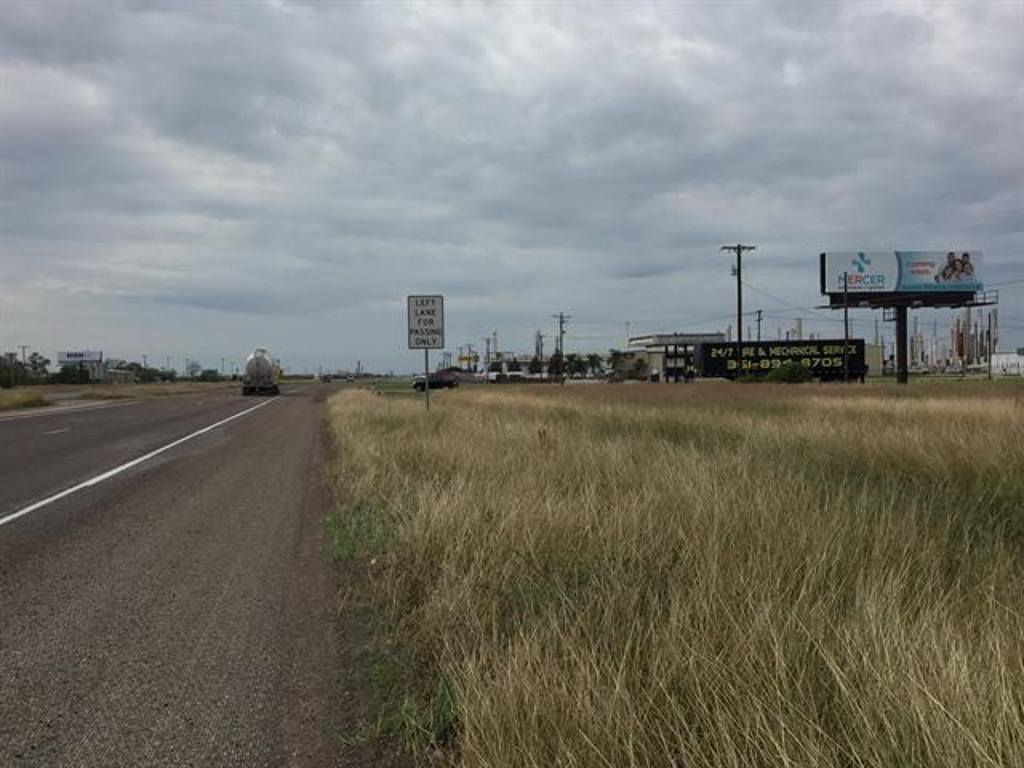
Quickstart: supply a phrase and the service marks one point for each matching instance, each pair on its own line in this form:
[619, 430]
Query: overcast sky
[199, 178]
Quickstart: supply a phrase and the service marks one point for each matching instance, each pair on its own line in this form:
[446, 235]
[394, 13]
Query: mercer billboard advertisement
[901, 272]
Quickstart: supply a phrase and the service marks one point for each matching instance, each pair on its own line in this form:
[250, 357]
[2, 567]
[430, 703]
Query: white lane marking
[128, 465]
[57, 431]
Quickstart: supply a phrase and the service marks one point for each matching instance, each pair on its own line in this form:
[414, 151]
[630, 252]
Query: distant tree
[614, 358]
[789, 373]
[575, 365]
[68, 374]
[514, 366]
[147, 375]
[595, 364]
[38, 367]
[209, 374]
[536, 366]
[556, 364]
[142, 374]
[12, 372]
[640, 369]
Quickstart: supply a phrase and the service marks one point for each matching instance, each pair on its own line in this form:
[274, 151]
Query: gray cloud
[294, 169]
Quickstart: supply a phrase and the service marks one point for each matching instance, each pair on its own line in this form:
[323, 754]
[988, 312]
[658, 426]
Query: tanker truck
[261, 375]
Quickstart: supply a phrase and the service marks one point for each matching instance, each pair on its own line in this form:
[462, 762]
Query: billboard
[74, 357]
[823, 356]
[920, 272]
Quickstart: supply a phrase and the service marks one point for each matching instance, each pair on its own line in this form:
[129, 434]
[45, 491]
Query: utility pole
[562, 317]
[759, 313]
[968, 346]
[23, 347]
[846, 327]
[167, 363]
[738, 249]
[487, 358]
[470, 361]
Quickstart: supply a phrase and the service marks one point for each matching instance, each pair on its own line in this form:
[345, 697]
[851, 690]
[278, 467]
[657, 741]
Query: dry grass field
[137, 391]
[18, 398]
[706, 575]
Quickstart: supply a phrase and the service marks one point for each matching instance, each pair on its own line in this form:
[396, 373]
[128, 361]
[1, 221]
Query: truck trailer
[262, 376]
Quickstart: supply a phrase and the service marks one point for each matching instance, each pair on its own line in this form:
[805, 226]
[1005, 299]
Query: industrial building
[671, 356]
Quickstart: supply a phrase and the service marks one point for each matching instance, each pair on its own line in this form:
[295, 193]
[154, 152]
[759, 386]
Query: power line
[783, 302]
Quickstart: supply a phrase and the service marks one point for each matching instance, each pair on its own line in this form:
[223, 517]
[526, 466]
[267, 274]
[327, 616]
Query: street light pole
[738, 249]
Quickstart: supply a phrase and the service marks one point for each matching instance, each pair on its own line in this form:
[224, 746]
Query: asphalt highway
[179, 610]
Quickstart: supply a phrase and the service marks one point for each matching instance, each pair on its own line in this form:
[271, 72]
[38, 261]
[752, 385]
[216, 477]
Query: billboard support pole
[902, 373]
[846, 327]
[990, 345]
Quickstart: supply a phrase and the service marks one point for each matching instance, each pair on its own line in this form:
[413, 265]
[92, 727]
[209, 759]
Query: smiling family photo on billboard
[937, 271]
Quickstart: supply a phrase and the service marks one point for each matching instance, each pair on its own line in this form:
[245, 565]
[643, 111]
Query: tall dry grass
[143, 391]
[697, 576]
[18, 398]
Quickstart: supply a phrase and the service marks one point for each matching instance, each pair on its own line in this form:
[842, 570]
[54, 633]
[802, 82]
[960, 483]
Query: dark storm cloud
[237, 160]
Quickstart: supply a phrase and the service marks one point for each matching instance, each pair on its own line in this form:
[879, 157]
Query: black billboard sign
[824, 357]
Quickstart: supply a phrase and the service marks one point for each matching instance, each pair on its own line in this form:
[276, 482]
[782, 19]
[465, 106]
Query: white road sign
[426, 322]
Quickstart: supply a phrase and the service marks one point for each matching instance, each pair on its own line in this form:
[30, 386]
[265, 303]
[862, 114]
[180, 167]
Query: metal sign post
[426, 378]
[426, 332]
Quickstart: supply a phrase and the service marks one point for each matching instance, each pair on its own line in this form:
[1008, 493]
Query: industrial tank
[261, 375]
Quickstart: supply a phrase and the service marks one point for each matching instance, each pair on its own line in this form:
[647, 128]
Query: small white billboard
[74, 357]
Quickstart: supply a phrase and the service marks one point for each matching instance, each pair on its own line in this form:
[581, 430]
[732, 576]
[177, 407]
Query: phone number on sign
[806, 362]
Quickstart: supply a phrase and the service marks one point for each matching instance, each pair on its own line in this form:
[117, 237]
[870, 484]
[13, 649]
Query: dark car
[438, 380]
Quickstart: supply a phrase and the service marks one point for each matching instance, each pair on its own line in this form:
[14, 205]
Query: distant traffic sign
[426, 322]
